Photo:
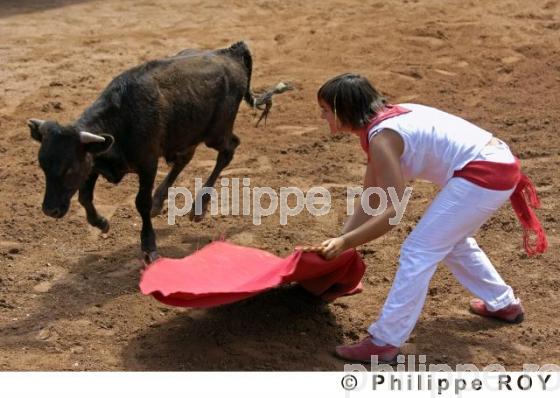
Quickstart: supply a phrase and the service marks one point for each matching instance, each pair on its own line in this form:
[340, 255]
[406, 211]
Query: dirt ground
[69, 297]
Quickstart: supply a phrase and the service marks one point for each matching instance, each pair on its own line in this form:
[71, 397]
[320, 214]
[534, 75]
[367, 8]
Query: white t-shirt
[436, 143]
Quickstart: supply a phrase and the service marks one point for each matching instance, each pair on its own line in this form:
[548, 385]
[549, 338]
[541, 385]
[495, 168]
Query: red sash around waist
[505, 176]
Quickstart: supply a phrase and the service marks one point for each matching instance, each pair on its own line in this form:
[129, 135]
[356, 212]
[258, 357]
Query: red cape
[222, 273]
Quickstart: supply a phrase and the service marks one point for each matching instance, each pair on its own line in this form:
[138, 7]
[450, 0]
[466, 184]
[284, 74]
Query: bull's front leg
[85, 197]
[144, 206]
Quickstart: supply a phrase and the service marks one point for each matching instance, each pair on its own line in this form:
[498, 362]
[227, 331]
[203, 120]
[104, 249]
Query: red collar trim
[388, 112]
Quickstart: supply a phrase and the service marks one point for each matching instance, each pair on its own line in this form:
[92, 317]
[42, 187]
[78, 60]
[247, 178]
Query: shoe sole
[392, 362]
[518, 319]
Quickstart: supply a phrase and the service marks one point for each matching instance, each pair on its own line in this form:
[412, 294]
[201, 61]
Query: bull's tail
[262, 101]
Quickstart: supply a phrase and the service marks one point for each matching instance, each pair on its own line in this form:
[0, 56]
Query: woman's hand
[332, 248]
[329, 249]
[312, 249]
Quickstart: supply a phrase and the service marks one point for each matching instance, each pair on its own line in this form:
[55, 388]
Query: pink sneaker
[513, 313]
[362, 352]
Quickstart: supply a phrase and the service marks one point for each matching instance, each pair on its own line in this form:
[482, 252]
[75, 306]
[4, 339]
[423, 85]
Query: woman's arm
[359, 217]
[386, 149]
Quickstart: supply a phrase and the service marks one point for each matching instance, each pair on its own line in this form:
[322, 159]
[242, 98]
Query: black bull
[166, 108]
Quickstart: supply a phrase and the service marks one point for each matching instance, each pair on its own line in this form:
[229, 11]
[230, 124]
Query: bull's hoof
[150, 257]
[103, 225]
[156, 210]
[196, 217]
[193, 216]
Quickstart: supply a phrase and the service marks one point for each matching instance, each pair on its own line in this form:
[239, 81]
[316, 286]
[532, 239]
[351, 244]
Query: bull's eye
[71, 174]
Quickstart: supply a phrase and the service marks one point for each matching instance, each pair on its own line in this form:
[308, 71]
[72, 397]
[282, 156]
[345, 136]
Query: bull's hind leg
[160, 195]
[226, 150]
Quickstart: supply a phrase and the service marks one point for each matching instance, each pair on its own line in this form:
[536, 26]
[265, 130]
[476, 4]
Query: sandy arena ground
[69, 298]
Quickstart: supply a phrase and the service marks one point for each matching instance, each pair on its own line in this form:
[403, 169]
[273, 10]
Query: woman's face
[328, 114]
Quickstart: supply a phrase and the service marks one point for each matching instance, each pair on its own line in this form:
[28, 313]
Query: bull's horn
[86, 138]
[35, 122]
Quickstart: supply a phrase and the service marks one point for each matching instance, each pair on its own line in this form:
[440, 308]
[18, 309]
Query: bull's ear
[34, 126]
[97, 147]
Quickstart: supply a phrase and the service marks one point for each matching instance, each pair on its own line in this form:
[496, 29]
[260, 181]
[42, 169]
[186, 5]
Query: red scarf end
[523, 200]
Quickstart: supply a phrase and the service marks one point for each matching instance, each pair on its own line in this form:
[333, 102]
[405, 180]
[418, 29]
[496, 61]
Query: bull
[161, 108]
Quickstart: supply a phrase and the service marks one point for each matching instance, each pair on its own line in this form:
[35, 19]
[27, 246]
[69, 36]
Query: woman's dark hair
[352, 98]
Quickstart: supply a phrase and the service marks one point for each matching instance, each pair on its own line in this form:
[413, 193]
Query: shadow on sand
[9, 8]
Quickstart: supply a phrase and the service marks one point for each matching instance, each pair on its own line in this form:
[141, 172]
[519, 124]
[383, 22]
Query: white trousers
[443, 234]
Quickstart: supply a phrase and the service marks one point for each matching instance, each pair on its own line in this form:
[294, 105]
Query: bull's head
[65, 157]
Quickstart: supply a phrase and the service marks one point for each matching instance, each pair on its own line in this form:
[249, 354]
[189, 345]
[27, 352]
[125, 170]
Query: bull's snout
[55, 212]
